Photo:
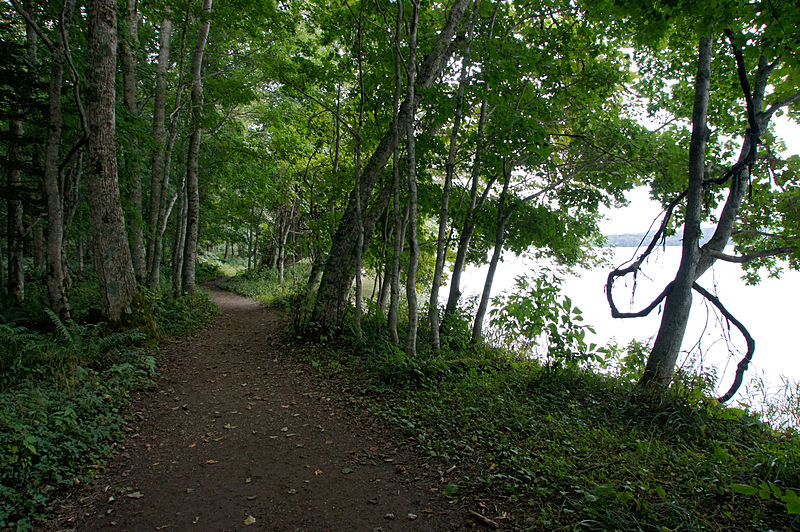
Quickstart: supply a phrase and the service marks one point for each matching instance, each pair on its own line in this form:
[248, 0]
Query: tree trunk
[661, 362]
[16, 228]
[411, 158]
[193, 157]
[341, 264]
[129, 41]
[180, 241]
[357, 187]
[503, 213]
[157, 176]
[111, 250]
[55, 276]
[475, 203]
[399, 223]
[444, 212]
[386, 278]
[38, 246]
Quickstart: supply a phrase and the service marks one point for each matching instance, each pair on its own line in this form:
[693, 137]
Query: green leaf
[744, 489]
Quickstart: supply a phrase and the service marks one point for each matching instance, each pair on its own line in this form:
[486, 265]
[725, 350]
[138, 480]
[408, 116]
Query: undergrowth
[566, 449]
[552, 444]
[64, 389]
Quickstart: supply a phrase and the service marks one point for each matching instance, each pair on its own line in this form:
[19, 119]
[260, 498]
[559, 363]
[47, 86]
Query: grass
[571, 449]
[567, 449]
[65, 388]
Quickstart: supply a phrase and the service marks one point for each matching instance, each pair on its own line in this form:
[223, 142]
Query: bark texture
[128, 43]
[111, 251]
[157, 177]
[660, 364]
[411, 163]
[193, 157]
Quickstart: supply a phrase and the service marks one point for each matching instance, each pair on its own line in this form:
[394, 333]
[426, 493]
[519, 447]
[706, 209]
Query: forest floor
[240, 436]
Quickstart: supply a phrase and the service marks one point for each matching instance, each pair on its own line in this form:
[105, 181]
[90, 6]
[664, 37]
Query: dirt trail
[239, 437]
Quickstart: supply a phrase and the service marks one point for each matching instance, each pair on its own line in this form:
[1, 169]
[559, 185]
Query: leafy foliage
[63, 399]
[535, 321]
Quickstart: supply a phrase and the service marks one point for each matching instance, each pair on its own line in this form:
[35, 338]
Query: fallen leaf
[135, 495]
[318, 472]
[249, 520]
[248, 480]
[191, 445]
[196, 520]
[285, 429]
[411, 516]
[388, 516]
[212, 461]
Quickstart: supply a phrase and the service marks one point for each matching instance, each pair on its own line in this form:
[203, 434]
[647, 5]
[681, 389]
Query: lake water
[767, 310]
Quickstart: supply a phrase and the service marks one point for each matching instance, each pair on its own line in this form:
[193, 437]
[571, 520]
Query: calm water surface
[768, 310]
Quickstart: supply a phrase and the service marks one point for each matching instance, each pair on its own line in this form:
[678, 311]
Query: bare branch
[636, 265]
[76, 92]
[741, 367]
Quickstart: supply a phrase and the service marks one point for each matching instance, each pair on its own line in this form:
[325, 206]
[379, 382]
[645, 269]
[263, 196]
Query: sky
[636, 217]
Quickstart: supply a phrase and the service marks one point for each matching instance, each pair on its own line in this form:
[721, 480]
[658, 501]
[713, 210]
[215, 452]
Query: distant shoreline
[632, 240]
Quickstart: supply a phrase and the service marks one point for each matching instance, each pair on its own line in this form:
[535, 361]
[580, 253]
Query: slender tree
[158, 176]
[55, 277]
[444, 212]
[193, 157]
[411, 163]
[339, 271]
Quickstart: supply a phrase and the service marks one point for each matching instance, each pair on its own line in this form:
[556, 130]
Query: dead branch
[741, 367]
[636, 265]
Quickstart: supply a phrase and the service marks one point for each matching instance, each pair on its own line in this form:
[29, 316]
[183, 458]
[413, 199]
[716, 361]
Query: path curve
[238, 436]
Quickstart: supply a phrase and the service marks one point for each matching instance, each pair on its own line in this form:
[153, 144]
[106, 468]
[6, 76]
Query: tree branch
[782, 103]
[636, 265]
[29, 19]
[321, 103]
[76, 92]
[743, 259]
[741, 367]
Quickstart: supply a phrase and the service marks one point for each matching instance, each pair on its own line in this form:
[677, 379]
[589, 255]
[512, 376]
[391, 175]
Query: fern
[59, 325]
[120, 340]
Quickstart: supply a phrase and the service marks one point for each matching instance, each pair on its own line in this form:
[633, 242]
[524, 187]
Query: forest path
[238, 436]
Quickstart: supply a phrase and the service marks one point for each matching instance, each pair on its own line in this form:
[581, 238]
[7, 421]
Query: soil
[240, 436]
